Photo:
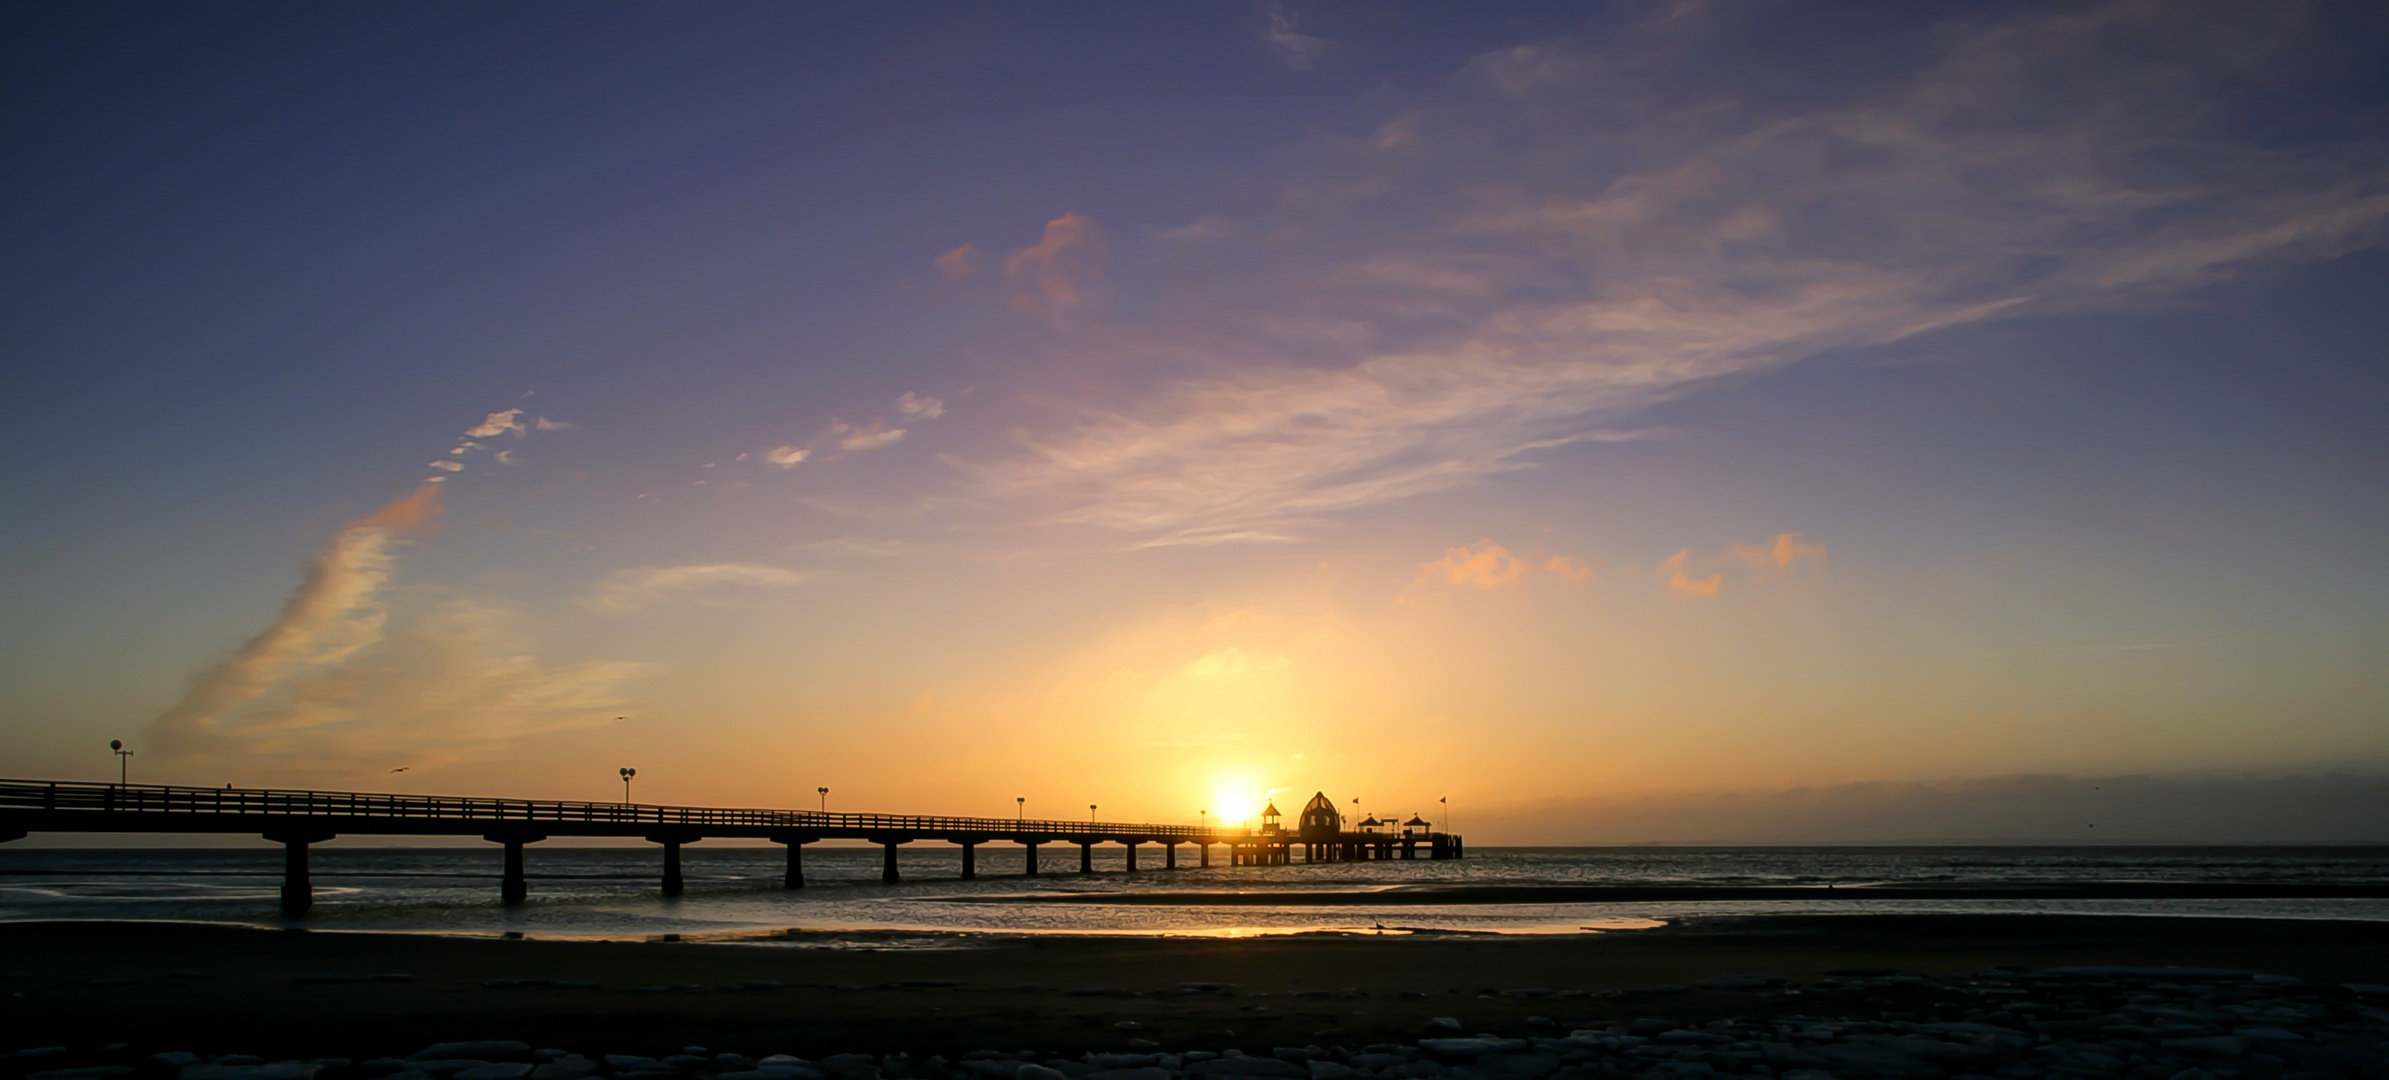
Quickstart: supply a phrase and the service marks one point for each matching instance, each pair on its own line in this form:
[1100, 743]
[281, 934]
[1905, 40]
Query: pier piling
[970, 862]
[1131, 845]
[515, 886]
[1086, 856]
[1030, 848]
[298, 893]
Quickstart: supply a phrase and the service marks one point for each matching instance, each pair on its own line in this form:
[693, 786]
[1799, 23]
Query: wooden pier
[297, 819]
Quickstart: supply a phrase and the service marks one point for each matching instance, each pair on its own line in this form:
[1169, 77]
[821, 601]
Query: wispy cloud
[507, 422]
[1291, 49]
[960, 263]
[917, 407]
[1779, 554]
[786, 457]
[1672, 572]
[1571, 570]
[873, 436]
[1461, 302]
[1487, 566]
[1051, 277]
[636, 587]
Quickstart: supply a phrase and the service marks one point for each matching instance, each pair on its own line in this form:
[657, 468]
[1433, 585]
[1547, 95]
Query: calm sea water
[735, 893]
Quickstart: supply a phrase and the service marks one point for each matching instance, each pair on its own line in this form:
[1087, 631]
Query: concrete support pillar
[795, 878]
[1132, 856]
[1086, 857]
[887, 866]
[515, 888]
[672, 883]
[298, 894]
[1169, 856]
[1203, 848]
[1030, 848]
[970, 862]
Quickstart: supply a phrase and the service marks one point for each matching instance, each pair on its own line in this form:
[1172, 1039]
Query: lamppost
[123, 765]
[1090, 813]
[1020, 813]
[825, 799]
[1206, 821]
[626, 773]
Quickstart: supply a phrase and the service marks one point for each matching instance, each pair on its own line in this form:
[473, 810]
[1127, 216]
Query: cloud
[786, 457]
[1051, 278]
[1672, 572]
[960, 263]
[448, 466]
[1573, 571]
[1487, 566]
[856, 439]
[859, 547]
[1785, 550]
[336, 610]
[636, 587]
[1578, 230]
[545, 424]
[1291, 50]
[508, 422]
[915, 407]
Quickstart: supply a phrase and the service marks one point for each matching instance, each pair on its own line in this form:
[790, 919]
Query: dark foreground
[1838, 994]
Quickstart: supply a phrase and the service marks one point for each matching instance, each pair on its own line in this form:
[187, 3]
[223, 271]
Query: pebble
[477, 1048]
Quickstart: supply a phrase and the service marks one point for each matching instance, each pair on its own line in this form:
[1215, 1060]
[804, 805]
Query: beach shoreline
[225, 989]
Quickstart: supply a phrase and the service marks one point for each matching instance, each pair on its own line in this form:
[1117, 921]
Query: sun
[1237, 800]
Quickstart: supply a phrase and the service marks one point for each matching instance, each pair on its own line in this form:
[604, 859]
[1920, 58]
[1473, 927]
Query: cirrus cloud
[708, 584]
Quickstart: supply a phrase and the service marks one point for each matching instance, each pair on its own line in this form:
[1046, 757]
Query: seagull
[401, 768]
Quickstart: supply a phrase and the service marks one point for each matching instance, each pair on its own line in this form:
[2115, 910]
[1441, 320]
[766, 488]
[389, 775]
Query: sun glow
[1236, 802]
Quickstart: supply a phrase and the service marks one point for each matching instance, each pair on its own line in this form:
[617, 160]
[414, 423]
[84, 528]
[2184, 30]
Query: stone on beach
[476, 1048]
[506, 1070]
[89, 1072]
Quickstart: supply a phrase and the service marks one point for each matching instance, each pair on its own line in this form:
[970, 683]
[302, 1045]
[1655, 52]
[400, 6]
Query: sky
[1620, 422]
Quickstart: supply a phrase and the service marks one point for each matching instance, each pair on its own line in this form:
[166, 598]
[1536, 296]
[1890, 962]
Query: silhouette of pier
[297, 819]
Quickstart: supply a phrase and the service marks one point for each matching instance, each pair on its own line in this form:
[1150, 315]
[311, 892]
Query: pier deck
[296, 819]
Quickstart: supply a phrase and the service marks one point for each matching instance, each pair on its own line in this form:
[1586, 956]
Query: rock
[569, 1067]
[1297, 1053]
[445, 1067]
[1248, 1066]
[478, 1048]
[91, 1072]
[1470, 1047]
[2268, 1034]
[998, 1068]
[2217, 1045]
[1128, 1025]
[1865, 1057]
[620, 1062]
[1328, 1070]
[1519, 1064]
[1039, 1072]
[510, 1070]
[1447, 1023]
[1691, 1037]
[1738, 982]
[923, 984]
[383, 1065]
[1145, 1072]
[176, 1059]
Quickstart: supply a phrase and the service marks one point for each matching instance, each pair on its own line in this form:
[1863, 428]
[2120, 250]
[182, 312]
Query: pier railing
[69, 796]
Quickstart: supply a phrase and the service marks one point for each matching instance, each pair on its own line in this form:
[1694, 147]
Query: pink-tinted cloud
[1778, 554]
[1672, 572]
[1487, 566]
[1052, 277]
[1571, 570]
[960, 263]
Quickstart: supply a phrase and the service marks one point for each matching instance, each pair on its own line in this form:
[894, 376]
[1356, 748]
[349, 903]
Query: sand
[220, 989]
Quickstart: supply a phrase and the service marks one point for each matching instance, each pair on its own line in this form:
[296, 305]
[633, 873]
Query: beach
[284, 994]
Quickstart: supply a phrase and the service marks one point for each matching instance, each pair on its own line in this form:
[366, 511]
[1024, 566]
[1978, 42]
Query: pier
[298, 819]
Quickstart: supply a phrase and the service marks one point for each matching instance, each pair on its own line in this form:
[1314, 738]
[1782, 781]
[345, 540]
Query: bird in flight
[401, 768]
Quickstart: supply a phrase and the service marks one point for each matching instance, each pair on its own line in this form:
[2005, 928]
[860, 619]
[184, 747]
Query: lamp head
[116, 744]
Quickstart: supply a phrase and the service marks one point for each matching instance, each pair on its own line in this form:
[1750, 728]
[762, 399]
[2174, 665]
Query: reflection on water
[734, 891]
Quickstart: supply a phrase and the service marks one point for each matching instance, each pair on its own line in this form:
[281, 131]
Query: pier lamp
[1020, 814]
[825, 799]
[626, 773]
[123, 760]
[1090, 813]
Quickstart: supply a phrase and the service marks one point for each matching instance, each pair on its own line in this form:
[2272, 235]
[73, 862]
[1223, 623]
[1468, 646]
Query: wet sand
[217, 989]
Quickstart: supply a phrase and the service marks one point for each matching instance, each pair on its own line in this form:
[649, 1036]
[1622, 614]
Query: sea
[734, 893]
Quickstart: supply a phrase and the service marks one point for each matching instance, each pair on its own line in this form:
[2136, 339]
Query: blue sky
[1552, 404]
